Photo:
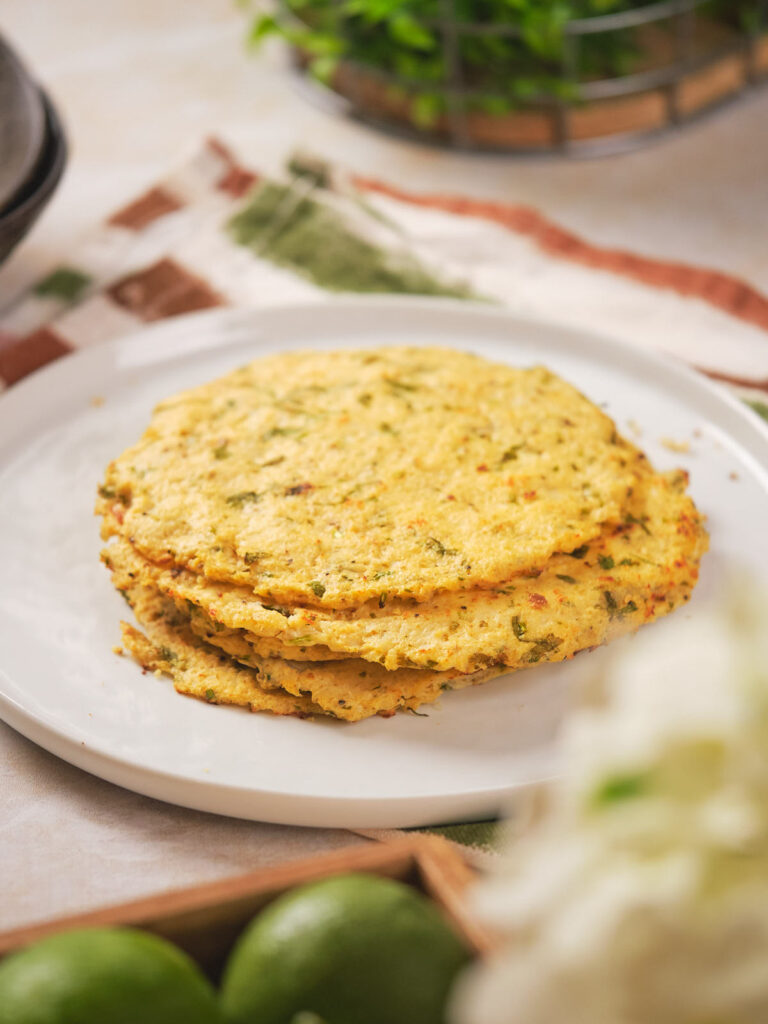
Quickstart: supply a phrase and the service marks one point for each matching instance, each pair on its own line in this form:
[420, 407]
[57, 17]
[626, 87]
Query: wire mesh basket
[595, 84]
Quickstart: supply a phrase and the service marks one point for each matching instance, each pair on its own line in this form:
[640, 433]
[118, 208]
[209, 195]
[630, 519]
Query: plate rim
[273, 805]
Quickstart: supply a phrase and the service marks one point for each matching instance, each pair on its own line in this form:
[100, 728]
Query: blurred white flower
[642, 895]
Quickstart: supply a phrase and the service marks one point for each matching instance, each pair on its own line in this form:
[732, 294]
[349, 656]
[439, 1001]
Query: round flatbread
[197, 670]
[326, 478]
[350, 690]
[633, 573]
[291, 649]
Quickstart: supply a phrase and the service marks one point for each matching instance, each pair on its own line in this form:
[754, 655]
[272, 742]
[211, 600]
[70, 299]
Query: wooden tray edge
[188, 913]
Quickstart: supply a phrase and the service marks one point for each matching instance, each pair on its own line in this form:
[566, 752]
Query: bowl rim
[27, 110]
[38, 188]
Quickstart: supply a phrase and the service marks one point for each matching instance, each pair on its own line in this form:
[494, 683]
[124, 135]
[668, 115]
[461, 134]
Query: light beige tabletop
[139, 83]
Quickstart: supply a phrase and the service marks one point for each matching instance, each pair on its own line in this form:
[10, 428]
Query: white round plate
[63, 687]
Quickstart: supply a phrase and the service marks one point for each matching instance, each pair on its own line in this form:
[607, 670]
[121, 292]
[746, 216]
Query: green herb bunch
[528, 60]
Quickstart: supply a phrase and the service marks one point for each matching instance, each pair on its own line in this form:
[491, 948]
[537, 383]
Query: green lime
[354, 949]
[104, 976]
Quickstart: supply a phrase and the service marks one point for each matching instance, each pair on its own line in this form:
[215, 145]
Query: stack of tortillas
[355, 532]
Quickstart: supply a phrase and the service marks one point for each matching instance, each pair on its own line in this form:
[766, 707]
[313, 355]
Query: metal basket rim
[645, 14]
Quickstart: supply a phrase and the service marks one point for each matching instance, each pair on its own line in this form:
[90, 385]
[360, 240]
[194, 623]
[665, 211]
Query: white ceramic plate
[61, 685]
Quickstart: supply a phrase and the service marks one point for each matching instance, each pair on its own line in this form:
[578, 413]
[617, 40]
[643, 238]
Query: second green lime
[354, 949]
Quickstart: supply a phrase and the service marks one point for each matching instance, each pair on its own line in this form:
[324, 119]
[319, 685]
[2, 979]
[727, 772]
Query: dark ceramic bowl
[33, 149]
[17, 218]
[22, 125]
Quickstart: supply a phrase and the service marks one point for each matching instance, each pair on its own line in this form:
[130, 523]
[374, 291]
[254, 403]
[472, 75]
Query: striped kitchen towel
[217, 232]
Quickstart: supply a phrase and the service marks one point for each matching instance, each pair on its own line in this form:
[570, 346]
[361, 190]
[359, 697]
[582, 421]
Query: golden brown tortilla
[329, 478]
